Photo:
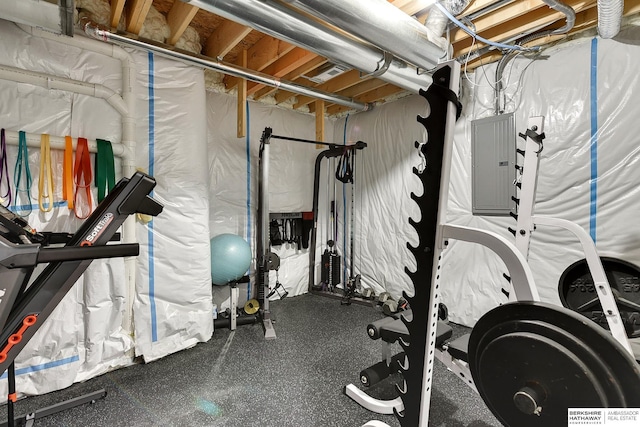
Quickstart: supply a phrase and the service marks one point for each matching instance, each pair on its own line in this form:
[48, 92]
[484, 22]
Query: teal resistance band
[22, 162]
[105, 169]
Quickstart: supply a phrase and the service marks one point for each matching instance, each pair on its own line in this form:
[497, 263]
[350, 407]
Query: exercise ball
[230, 258]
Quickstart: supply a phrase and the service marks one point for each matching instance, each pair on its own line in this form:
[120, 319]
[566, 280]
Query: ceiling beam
[374, 95]
[292, 76]
[262, 54]
[536, 19]
[585, 20]
[500, 16]
[224, 38]
[117, 7]
[241, 120]
[319, 110]
[289, 62]
[178, 19]
[136, 14]
[336, 84]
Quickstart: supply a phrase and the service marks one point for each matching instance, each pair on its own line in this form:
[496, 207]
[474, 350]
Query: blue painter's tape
[35, 207]
[593, 205]
[248, 148]
[42, 367]
[152, 138]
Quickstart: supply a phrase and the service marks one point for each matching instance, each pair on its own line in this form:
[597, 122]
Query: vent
[328, 72]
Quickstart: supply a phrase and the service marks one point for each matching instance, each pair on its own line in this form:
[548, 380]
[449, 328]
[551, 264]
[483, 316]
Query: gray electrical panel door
[493, 154]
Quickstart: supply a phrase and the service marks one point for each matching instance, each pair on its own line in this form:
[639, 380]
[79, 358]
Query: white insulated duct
[279, 21]
[383, 25]
[609, 17]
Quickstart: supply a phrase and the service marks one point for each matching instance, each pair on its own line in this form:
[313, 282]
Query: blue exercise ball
[230, 258]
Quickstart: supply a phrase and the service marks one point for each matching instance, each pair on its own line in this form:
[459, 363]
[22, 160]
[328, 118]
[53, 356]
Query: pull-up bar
[267, 135]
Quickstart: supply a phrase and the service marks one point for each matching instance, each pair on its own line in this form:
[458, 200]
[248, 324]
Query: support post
[242, 99]
[263, 235]
[319, 103]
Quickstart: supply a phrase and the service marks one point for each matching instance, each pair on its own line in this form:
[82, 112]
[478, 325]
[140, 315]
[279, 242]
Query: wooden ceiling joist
[224, 38]
[497, 20]
[117, 7]
[334, 85]
[372, 96]
[535, 19]
[178, 19]
[136, 14]
[501, 16]
[289, 62]
[262, 54]
[293, 75]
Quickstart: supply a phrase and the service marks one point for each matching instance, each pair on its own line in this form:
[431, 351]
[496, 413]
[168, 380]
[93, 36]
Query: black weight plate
[553, 354]
[577, 292]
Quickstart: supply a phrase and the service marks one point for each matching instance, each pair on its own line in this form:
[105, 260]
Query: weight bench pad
[459, 348]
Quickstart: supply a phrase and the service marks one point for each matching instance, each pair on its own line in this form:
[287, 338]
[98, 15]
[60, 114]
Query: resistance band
[82, 176]
[45, 181]
[22, 161]
[67, 172]
[4, 170]
[105, 169]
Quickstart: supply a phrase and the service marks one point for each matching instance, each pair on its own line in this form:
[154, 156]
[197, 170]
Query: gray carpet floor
[240, 379]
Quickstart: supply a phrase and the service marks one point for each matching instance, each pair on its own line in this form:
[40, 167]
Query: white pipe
[58, 142]
[128, 78]
[609, 17]
[62, 83]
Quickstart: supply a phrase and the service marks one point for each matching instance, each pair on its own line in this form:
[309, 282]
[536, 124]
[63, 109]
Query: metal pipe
[94, 31]
[609, 17]
[279, 21]
[380, 23]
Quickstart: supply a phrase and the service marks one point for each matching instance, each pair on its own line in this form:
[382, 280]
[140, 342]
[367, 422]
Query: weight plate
[252, 306]
[577, 292]
[273, 261]
[532, 361]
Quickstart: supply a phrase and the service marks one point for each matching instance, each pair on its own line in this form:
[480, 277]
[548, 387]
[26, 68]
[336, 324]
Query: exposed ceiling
[225, 40]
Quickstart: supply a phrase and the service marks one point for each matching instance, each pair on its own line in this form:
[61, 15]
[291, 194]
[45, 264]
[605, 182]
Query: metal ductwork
[609, 17]
[279, 21]
[382, 24]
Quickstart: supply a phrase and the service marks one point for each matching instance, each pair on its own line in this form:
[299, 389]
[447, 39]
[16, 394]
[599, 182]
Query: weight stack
[330, 271]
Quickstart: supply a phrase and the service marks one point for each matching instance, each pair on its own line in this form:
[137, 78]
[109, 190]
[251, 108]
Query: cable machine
[267, 260]
[330, 270]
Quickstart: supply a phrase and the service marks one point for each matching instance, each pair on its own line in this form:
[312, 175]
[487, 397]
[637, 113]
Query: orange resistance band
[67, 172]
[82, 174]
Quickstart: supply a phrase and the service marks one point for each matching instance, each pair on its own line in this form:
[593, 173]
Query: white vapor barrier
[172, 308]
[84, 336]
[383, 184]
[558, 87]
[234, 177]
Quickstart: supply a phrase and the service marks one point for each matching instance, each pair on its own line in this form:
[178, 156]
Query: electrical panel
[493, 154]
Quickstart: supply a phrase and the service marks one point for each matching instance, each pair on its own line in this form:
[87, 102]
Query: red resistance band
[82, 177]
